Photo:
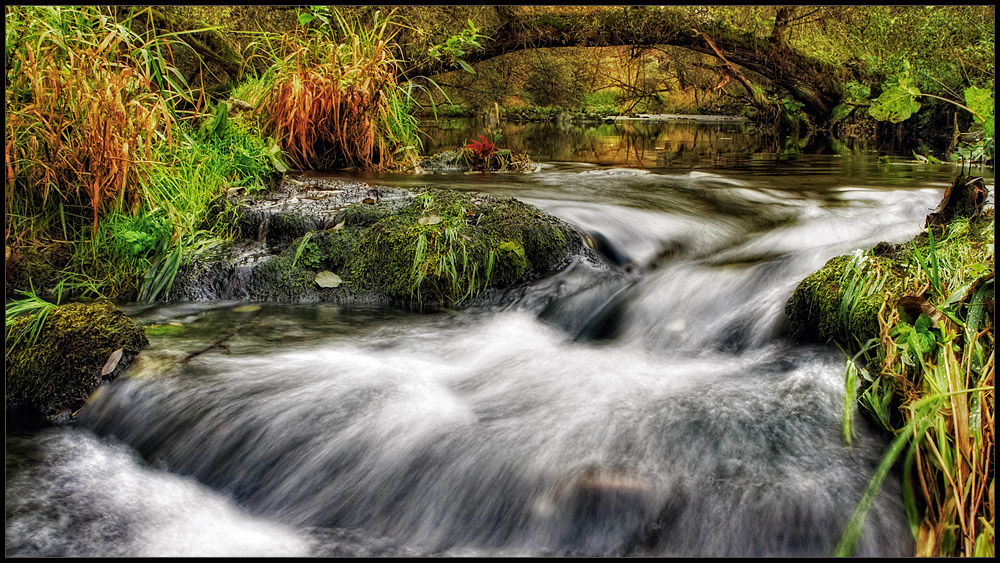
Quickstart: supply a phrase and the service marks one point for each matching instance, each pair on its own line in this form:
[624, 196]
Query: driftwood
[964, 198]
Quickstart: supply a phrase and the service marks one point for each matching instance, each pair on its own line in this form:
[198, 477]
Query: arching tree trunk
[812, 82]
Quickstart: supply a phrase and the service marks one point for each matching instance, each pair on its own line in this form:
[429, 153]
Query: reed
[101, 161]
[336, 100]
[87, 104]
[937, 369]
[31, 306]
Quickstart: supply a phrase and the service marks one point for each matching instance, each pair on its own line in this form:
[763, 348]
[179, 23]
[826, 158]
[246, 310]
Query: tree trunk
[812, 82]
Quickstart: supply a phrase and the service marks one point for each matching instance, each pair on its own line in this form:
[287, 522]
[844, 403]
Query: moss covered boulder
[842, 300]
[448, 246]
[358, 244]
[443, 248]
[824, 307]
[79, 347]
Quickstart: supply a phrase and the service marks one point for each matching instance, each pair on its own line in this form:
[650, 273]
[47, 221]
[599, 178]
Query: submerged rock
[387, 246]
[466, 160]
[79, 347]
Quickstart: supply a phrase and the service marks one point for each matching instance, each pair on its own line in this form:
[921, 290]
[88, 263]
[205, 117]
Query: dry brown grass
[82, 118]
[332, 99]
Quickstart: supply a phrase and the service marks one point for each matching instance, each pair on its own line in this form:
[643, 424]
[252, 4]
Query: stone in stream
[815, 309]
[388, 246]
[603, 508]
[79, 347]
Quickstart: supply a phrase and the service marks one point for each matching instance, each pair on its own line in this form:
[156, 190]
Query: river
[666, 416]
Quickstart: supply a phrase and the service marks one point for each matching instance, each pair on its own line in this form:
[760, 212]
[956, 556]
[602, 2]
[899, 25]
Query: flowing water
[659, 413]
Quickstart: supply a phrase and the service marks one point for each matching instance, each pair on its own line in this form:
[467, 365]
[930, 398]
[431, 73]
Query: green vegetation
[914, 318]
[898, 101]
[109, 179]
[781, 65]
[336, 101]
[445, 248]
[81, 346]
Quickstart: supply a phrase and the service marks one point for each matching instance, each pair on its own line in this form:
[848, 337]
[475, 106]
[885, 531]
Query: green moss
[60, 370]
[331, 250]
[511, 263]
[821, 310]
[813, 307]
[444, 247]
[278, 280]
[284, 227]
[365, 215]
[37, 267]
[385, 256]
[544, 240]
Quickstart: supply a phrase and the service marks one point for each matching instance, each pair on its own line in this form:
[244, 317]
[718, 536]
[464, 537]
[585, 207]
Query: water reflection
[809, 166]
[641, 144]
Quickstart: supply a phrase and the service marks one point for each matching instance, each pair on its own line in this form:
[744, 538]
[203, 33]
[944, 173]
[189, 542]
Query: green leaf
[275, 155]
[327, 278]
[896, 103]
[839, 112]
[923, 323]
[980, 101]
[921, 340]
[304, 19]
[858, 92]
[466, 66]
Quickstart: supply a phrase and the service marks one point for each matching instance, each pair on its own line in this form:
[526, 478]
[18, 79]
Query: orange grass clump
[81, 121]
[331, 101]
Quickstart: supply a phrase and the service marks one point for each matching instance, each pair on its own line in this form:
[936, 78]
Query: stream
[667, 415]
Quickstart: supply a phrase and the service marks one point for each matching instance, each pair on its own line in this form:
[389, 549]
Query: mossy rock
[277, 279]
[55, 375]
[819, 310]
[448, 246]
[284, 227]
[444, 248]
[389, 246]
[815, 308]
[36, 269]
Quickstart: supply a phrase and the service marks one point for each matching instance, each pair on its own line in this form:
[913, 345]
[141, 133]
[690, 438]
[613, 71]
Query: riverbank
[917, 320]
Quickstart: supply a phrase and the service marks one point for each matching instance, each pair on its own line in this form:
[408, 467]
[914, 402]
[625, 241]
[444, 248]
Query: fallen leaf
[112, 363]
[429, 220]
[247, 309]
[327, 278]
[368, 200]
[339, 225]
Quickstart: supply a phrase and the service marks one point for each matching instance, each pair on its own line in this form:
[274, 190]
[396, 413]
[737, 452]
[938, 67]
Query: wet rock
[79, 347]
[389, 246]
[817, 311]
[601, 508]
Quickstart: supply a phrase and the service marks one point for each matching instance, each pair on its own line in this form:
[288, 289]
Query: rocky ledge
[312, 240]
